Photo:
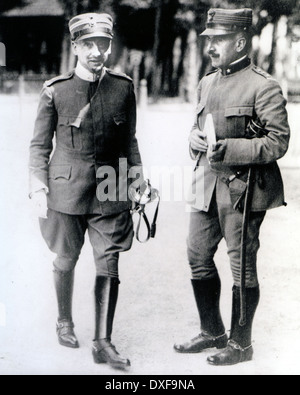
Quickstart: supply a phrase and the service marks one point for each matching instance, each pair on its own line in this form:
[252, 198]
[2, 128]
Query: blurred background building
[156, 41]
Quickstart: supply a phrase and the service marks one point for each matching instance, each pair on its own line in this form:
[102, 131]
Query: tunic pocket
[120, 118]
[237, 119]
[57, 172]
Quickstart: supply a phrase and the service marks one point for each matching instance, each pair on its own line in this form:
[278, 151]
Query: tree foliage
[153, 26]
[72, 7]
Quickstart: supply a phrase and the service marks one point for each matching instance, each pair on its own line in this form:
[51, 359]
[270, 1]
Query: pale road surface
[156, 306]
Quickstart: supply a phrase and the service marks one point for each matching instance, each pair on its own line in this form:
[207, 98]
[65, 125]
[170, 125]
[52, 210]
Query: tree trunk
[274, 49]
[64, 67]
[157, 70]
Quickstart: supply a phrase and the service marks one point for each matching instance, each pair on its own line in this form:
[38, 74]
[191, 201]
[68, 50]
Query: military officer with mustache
[251, 125]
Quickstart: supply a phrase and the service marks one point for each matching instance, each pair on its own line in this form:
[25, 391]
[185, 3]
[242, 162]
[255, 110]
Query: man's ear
[74, 47]
[108, 52]
[241, 44]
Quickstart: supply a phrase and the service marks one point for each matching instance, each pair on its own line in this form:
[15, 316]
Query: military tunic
[84, 132]
[244, 93]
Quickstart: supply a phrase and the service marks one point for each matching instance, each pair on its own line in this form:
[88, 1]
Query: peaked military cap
[221, 21]
[91, 25]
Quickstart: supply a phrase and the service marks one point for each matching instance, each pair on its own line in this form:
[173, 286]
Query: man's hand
[39, 200]
[217, 153]
[197, 141]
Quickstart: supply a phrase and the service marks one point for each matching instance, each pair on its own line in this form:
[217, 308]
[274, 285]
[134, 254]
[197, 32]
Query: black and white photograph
[150, 190]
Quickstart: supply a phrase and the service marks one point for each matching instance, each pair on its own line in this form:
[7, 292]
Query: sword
[254, 129]
[246, 216]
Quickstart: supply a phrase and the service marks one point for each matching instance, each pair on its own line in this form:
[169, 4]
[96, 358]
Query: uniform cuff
[37, 185]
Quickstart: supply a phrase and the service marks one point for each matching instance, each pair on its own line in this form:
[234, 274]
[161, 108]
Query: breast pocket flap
[120, 118]
[70, 121]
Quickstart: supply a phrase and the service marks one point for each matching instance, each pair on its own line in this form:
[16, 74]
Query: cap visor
[216, 32]
[95, 34]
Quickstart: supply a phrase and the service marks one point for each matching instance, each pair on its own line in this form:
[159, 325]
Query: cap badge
[211, 16]
[92, 23]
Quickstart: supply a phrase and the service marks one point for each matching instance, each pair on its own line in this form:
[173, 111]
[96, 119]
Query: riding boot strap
[232, 355]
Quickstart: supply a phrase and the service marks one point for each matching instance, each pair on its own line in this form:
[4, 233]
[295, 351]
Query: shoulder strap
[120, 75]
[261, 72]
[60, 78]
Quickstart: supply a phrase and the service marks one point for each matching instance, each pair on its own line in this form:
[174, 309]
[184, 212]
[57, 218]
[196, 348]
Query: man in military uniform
[91, 111]
[250, 122]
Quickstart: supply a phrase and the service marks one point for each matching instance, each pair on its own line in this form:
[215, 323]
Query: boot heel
[98, 358]
[107, 353]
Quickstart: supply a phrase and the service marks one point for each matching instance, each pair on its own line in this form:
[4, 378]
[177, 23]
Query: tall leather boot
[207, 296]
[64, 284]
[239, 348]
[106, 296]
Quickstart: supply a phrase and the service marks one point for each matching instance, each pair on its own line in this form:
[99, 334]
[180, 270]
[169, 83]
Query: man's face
[223, 50]
[92, 52]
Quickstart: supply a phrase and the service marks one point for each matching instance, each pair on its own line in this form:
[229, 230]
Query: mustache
[97, 59]
[213, 54]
